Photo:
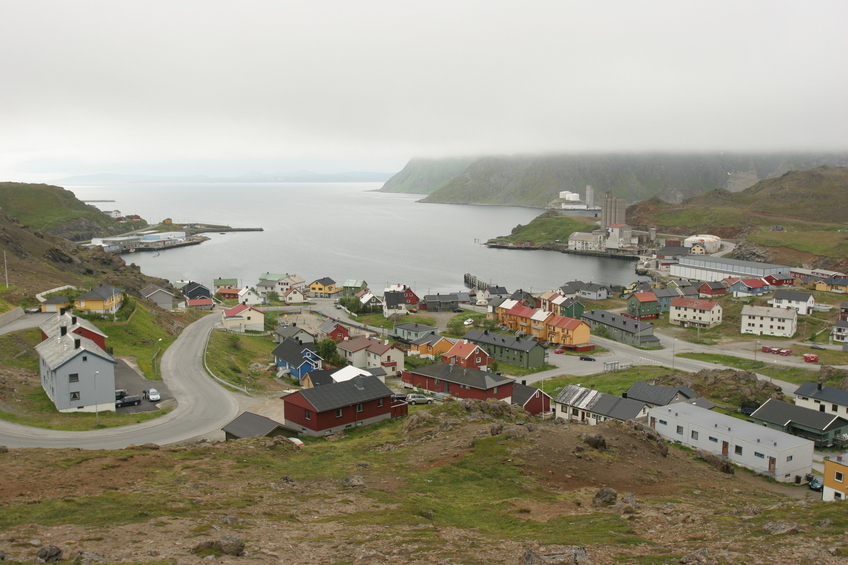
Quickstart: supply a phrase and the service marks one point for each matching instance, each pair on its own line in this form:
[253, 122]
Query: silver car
[416, 398]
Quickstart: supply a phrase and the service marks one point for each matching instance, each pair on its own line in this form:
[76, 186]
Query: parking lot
[131, 380]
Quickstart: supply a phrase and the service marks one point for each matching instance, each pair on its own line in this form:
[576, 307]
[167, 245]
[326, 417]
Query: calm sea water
[345, 231]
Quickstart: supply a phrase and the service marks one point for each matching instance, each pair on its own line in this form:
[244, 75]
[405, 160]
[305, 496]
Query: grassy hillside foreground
[468, 483]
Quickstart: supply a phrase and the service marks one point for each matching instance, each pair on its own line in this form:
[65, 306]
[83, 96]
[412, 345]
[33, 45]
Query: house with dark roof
[665, 296]
[249, 424]
[839, 332]
[526, 353]
[595, 292]
[590, 406]
[440, 302]
[658, 395]
[533, 400]
[282, 333]
[54, 304]
[331, 408]
[296, 358]
[323, 288]
[334, 330]
[816, 396]
[394, 304]
[623, 329]
[366, 352]
[195, 290]
[461, 382]
[101, 300]
[825, 429]
[803, 302]
[409, 332]
[712, 288]
[832, 284]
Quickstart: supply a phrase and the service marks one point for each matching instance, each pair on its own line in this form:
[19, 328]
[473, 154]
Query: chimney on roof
[62, 311]
[77, 343]
[818, 386]
[73, 320]
[63, 330]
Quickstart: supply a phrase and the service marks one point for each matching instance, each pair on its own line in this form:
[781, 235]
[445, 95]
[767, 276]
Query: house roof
[225, 282]
[483, 337]
[474, 378]
[56, 300]
[291, 350]
[326, 281]
[365, 342]
[618, 322]
[601, 403]
[826, 393]
[497, 290]
[291, 290]
[290, 331]
[57, 350]
[200, 301]
[783, 413]
[272, 277]
[353, 283]
[754, 283]
[441, 298]
[462, 349]
[521, 394]
[431, 339]
[412, 327]
[103, 292]
[191, 286]
[73, 322]
[238, 309]
[564, 322]
[657, 395]
[666, 293]
[768, 312]
[775, 439]
[322, 377]
[152, 289]
[693, 303]
[714, 285]
[328, 326]
[338, 395]
[393, 299]
[249, 424]
[792, 295]
[644, 296]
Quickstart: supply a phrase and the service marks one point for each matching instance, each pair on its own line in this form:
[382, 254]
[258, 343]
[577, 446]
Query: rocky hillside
[55, 211]
[537, 180]
[460, 482]
[37, 262]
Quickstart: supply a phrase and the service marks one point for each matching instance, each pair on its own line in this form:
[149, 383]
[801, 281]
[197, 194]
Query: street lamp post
[673, 349]
[96, 401]
[755, 351]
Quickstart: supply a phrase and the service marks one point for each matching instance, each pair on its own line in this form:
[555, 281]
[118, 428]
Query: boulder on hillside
[597, 441]
[48, 554]
[556, 555]
[605, 496]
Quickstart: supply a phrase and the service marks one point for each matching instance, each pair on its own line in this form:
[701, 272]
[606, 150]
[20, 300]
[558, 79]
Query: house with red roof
[201, 303]
[467, 354]
[569, 333]
[228, 293]
[643, 306]
[243, 318]
[694, 313]
[365, 352]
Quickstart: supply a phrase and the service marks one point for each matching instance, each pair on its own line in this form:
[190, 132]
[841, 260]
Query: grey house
[410, 332]
[282, 333]
[620, 328]
[76, 373]
[823, 428]
[658, 395]
[161, 297]
[249, 424]
[526, 353]
[441, 302]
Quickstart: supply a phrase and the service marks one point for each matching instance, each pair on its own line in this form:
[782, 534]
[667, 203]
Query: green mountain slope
[537, 180]
[423, 176]
[56, 211]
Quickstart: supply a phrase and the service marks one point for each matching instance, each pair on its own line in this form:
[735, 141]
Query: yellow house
[568, 331]
[323, 288]
[55, 304]
[835, 478]
[430, 346]
[102, 300]
[832, 284]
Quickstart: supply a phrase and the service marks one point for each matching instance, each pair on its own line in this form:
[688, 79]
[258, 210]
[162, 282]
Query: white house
[293, 295]
[692, 312]
[620, 236]
[759, 448]
[581, 241]
[803, 302]
[763, 320]
[822, 398]
[250, 297]
[243, 318]
[589, 406]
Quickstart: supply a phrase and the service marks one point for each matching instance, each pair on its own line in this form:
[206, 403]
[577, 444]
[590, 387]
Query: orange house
[430, 346]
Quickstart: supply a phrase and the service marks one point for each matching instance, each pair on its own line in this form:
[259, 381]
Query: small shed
[249, 424]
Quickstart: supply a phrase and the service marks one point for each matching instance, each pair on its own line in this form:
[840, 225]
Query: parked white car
[153, 395]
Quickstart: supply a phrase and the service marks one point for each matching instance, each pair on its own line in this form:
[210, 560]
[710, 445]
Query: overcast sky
[228, 87]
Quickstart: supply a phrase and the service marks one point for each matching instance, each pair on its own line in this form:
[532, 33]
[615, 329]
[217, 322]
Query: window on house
[737, 449]
[680, 430]
[339, 412]
[73, 378]
[713, 439]
[760, 455]
[495, 391]
[307, 414]
[834, 407]
[85, 358]
[789, 458]
[379, 403]
[837, 496]
[694, 434]
[838, 476]
[663, 422]
[75, 396]
[359, 407]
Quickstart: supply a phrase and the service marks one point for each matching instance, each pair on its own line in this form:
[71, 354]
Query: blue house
[665, 296]
[749, 287]
[296, 358]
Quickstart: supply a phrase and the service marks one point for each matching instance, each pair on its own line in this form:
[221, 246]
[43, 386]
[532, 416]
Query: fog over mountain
[222, 89]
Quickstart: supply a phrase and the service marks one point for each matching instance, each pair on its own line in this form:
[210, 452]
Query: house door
[447, 387]
[653, 422]
[772, 464]
[724, 448]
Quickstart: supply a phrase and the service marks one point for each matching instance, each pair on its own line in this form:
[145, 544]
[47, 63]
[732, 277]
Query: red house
[713, 288]
[531, 399]
[333, 330]
[330, 408]
[74, 324]
[467, 354]
[228, 293]
[461, 382]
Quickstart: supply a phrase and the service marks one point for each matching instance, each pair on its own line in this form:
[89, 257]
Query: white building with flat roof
[759, 448]
[708, 268]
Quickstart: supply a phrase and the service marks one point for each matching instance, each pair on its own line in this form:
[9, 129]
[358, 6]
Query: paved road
[203, 405]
